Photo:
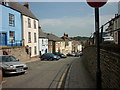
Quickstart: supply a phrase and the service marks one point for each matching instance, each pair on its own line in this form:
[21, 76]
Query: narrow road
[41, 74]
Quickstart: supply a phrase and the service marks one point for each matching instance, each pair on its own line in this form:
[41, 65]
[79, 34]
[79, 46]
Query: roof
[49, 36]
[66, 38]
[17, 6]
[53, 37]
[42, 35]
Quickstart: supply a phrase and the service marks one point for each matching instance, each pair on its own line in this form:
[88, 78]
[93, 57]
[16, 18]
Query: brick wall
[110, 66]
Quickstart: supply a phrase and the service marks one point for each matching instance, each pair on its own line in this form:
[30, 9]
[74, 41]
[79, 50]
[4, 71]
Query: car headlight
[55, 56]
[9, 66]
[25, 65]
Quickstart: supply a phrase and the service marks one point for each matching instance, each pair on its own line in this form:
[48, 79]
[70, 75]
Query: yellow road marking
[61, 80]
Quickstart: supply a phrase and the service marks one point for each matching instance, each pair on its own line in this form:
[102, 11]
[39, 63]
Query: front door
[3, 39]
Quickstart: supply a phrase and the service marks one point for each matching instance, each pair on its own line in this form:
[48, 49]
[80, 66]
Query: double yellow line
[62, 78]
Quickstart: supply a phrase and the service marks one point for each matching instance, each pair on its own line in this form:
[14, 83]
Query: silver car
[11, 65]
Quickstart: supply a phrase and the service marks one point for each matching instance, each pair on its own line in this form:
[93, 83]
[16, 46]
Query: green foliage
[78, 38]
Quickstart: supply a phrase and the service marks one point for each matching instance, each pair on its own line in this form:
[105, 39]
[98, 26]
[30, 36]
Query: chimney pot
[27, 5]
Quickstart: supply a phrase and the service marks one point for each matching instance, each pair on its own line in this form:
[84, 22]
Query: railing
[14, 43]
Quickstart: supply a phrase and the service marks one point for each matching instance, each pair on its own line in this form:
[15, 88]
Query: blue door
[3, 39]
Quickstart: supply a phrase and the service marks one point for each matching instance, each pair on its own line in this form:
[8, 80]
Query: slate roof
[50, 36]
[53, 37]
[17, 6]
[43, 35]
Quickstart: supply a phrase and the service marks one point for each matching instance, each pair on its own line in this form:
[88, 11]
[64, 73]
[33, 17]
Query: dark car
[60, 54]
[78, 54]
[49, 56]
[71, 54]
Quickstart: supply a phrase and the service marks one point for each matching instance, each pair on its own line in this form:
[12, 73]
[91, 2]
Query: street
[41, 74]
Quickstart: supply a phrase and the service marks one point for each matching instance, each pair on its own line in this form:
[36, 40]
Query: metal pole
[102, 34]
[98, 73]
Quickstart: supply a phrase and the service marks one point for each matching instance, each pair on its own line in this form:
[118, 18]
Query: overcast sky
[73, 18]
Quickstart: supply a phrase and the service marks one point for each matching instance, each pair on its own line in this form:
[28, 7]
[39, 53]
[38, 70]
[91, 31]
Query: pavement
[78, 76]
[33, 60]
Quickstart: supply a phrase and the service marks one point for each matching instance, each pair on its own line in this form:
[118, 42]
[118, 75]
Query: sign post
[96, 4]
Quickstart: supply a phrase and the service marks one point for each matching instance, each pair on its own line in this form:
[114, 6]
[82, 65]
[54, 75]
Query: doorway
[3, 38]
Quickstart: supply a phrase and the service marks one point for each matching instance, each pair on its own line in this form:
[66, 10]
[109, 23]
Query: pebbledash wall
[110, 66]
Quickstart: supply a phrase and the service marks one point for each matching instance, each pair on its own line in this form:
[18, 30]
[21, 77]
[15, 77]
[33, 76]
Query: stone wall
[110, 66]
[18, 52]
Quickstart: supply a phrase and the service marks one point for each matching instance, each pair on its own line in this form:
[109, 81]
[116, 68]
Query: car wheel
[42, 59]
[50, 59]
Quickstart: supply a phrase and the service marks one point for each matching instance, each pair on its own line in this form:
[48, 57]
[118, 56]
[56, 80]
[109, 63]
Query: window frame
[35, 37]
[29, 23]
[34, 24]
[11, 19]
[29, 37]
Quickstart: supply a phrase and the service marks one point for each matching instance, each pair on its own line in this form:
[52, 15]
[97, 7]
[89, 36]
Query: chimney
[27, 5]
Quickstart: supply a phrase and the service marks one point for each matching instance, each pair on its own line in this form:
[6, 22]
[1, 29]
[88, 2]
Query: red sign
[96, 3]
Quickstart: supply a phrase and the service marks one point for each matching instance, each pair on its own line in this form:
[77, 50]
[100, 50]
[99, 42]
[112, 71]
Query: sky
[73, 18]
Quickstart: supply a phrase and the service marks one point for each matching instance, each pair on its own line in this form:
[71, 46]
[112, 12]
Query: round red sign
[96, 3]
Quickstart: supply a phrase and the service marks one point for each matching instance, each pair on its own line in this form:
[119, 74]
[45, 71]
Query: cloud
[74, 26]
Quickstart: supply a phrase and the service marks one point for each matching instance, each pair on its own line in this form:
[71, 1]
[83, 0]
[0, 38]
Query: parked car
[50, 56]
[60, 54]
[11, 65]
[81, 53]
[71, 54]
[78, 54]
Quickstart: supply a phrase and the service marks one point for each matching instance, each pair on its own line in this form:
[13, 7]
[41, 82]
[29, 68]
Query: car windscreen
[7, 59]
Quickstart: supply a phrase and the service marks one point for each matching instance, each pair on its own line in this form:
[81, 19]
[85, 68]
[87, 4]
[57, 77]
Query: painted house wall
[32, 30]
[43, 45]
[68, 48]
[4, 24]
[79, 48]
[58, 46]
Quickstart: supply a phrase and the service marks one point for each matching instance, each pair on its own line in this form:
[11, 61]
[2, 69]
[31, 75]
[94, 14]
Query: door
[3, 39]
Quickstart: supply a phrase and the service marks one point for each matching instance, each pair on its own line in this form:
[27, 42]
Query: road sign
[96, 3]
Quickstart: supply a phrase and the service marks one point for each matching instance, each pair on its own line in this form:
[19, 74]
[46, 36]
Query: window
[34, 24]
[35, 51]
[12, 35]
[11, 19]
[35, 38]
[29, 23]
[29, 37]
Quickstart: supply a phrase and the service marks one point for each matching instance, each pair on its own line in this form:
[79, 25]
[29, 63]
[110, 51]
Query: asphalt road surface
[41, 74]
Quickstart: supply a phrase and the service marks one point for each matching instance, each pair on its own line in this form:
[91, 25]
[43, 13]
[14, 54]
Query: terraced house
[29, 27]
[10, 26]
[19, 26]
